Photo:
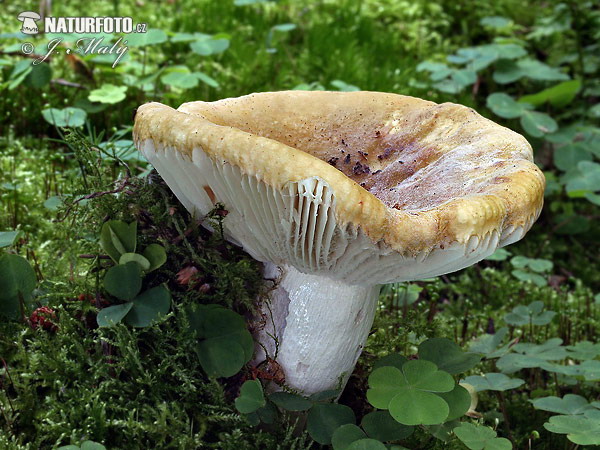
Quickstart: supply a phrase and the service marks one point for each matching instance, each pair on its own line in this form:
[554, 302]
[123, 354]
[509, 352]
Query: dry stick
[32, 56]
[64, 82]
[90, 256]
[500, 396]
[11, 382]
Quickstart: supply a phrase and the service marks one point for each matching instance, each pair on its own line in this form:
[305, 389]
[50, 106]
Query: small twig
[32, 56]
[90, 256]
[64, 82]
[505, 415]
[11, 382]
[102, 193]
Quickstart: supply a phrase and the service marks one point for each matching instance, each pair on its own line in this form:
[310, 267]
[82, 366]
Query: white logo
[29, 19]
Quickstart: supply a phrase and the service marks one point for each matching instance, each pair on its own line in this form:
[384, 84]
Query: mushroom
[339, 193]
[29, 18]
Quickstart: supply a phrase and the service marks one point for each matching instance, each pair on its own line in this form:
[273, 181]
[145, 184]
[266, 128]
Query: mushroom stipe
[431, 189]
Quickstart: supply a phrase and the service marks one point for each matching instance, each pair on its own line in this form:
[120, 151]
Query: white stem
[317, 328]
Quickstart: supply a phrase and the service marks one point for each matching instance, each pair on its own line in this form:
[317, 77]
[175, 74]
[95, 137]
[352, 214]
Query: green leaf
[117, 237]
[108, 93]
[181, 80]
[559, 95]
[156, 255]
[112, 315]
[253, 418]
[284, 27]
[587, 179]
[91, 445]
[39, 76]
[488, 344]
[227, 343]
[136, 258]
[528, 276]
[442, 431]
[524, 315]
[496, 22]
[493, 382]
[430, 66]
[567, 157]
[149, 306]
[123, 281]
[188, 37]
[538, 124]
[366, 444]
[532, 355]
[537, 70]
[21, 70]
[53, 203]
[67, 117]
[478, 437]
[500, 254]
[415, 407]
[505, 106]
[325, 396]
[343, 86]
[385, 383]
[579, 429]
[447, 355]
[206, 79]
[459, 401]
[152, 36]
[209, 46]
[290, 402]
[507, 71]
[345, 435]
[382, 426]
[407, 393]
[569, 404]
[325, 418]
[267, 413]
[8, 238]
[17, 279]
[221, 357]
[251, 397]
[583, 350]
[498, 444]
[425, 375]
[393, 360]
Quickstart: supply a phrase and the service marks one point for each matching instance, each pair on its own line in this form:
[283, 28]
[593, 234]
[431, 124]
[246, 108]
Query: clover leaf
[345, 435]
[409, 393]
[580, 429]
[478, 437]
[141, 311]
[117, 237]
[290, 402]
[505, 106]
[251, 397]
[382, 426]
[17, 282]
[108, 93]
[226, 344]
[493, 382]
[532, 313]
[569, 404]
[447, 355]
[66, 117]
[325, 418]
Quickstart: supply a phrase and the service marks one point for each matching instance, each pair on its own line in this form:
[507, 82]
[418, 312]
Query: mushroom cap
[366, 187]
[29, 15]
